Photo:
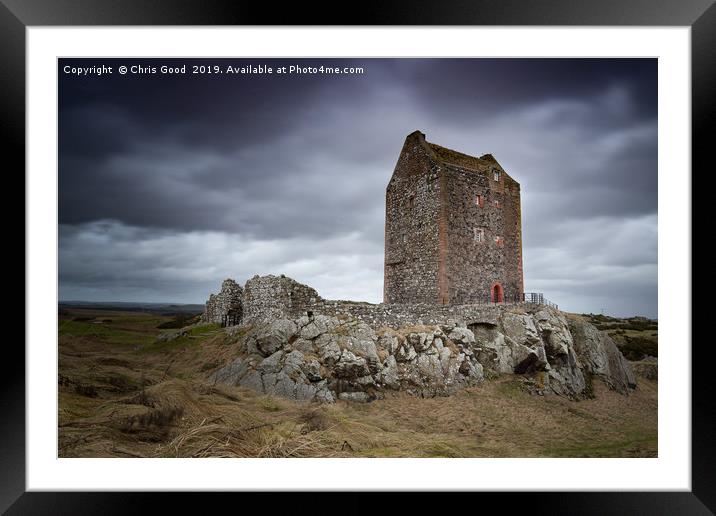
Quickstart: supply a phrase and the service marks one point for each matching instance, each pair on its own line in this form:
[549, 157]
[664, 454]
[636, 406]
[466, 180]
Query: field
[123, 394]
[637, 337]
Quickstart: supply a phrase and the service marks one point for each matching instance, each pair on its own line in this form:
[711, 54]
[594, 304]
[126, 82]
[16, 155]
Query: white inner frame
[670, 471]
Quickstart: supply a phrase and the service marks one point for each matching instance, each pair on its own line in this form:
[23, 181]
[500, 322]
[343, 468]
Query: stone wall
[270, 297]
[226, 307]
[411, 227]
[266, 298]
[474, 267]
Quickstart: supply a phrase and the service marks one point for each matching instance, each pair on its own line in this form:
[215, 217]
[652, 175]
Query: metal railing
[536, 298]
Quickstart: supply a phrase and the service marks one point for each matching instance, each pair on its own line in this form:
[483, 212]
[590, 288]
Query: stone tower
[453, 231]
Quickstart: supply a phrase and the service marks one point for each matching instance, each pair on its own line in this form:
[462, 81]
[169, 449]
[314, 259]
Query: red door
[497, 296]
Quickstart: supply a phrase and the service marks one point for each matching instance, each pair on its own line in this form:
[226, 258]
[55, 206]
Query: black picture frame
[700, 15]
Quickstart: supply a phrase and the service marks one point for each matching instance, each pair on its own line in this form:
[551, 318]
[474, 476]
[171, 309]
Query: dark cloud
[167, 184]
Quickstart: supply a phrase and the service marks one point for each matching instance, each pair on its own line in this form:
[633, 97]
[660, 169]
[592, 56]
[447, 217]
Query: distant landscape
[152, 308]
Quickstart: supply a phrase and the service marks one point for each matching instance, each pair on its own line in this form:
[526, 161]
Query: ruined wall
[266, 298]
[411, 227]
[226, 307]
[270, 297]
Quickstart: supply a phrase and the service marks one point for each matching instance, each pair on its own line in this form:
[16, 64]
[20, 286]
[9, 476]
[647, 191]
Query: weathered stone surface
[321, 357]
[462, 336]
[272, 337]
[226, 307]
[600, 356]
[315, 326]
[437, 202]
[521, 329]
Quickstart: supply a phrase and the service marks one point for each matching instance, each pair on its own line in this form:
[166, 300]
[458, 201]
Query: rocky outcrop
[326, 358]
[600, 356]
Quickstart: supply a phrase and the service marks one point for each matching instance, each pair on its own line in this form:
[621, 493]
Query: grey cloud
[289, 176]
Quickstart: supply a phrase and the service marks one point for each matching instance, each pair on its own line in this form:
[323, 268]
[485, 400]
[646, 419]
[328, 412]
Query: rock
[328, 350]
[647, 368]
[405, 353]
[312, 370]
[389, 342]
[323, 358]
[316, 326]
[430, 368]
[172, 335]
[303, 345]
[600, 356]
[273, 336]
[361, 397]
[350, 366]
[252, 380]
[295, 362]
[471, 369]
[462, 336]
[554, 330]
[521, 329]
[273, 363]
[231, 373]
[505, 356]
[421, 341]
[565, 376]
[389, 373]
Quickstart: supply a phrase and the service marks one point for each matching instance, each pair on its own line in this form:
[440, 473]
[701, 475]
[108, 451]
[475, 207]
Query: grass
[125, 401]
[636, 337]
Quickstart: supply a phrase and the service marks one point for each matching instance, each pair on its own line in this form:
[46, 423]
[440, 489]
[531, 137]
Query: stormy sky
[169, 184]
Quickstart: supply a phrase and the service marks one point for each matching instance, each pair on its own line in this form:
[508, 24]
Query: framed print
[432, 250]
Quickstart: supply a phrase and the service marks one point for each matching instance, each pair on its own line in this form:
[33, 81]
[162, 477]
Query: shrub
[636, 348]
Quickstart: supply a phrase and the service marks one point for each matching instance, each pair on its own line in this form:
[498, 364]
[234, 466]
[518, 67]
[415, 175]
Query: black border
[700, 15]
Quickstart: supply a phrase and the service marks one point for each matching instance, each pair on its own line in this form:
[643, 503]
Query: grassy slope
[121, 395]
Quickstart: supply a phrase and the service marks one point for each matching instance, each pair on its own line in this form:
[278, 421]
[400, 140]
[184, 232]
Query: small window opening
[496, 203]
[496, 174]
[480, 201]
[479, 235]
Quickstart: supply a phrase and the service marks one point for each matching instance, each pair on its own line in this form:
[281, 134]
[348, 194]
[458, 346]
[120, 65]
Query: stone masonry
[266, 298]
[452, 228]
[226, 307]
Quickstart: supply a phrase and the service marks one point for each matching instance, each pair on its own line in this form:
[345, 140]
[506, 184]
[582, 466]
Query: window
[479, 235]
[403, 237]
[496, 203]
[411, 201]
[496, 174]
[499, 241]
[480, 201]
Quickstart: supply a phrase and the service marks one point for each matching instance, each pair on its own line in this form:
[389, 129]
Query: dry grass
[117, 401]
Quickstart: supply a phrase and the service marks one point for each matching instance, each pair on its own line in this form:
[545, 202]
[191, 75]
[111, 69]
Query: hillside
[125, 393]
